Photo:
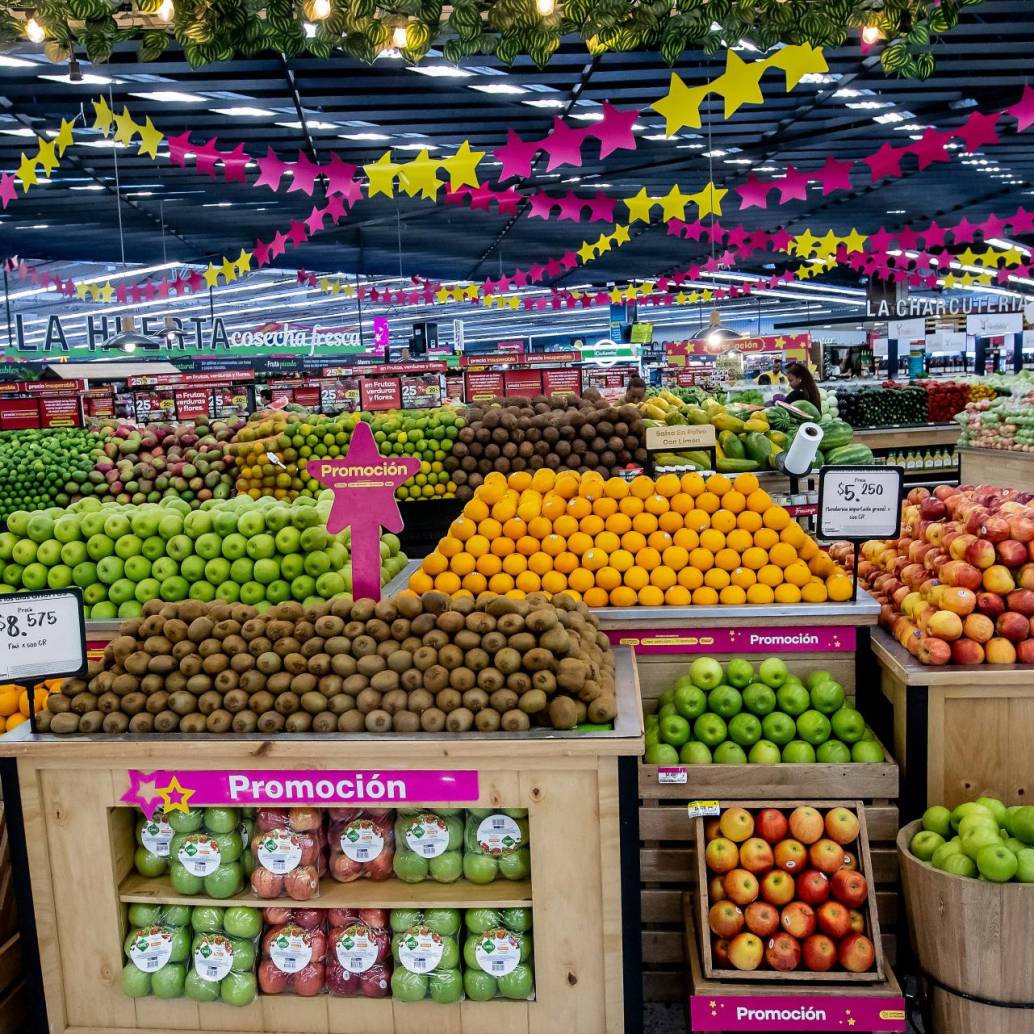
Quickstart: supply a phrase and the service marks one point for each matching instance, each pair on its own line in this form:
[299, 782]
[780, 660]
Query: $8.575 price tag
[42, 635]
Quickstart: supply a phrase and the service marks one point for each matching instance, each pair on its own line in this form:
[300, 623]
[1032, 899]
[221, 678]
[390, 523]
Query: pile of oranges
[14, 704]
[674, 541]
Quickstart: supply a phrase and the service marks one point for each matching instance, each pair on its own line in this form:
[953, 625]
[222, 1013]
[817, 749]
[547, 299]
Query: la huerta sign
[182, 335]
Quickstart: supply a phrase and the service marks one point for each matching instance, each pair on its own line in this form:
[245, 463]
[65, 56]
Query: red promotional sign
[561, 382]
[48, 386]
[215, 377]
[308, 397]
[395, 369]
[483, 386]
[678, 350]
[193, 404]
[540, 358]
[522, 382]
[59, 412]
[381, 393]
[18, 414]
[454, 386]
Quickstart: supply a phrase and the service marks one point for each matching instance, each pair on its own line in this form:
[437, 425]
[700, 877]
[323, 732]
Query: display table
[959, 731]
[914, 437]
[79, 838]
[1005, 468]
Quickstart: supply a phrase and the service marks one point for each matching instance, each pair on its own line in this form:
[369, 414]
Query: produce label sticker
[166, 791]
[858, 503]
[356, 948]
[428, 836]
[156, 837]
[420, 949]
[280, 851]
[498, 834]
[672, 776]
[361, 841]
[702, 809]
[497, 952]
[844, 1012]
[799, 639]
[199, 854]
[213, 957]
[291, 949]
[151, 948]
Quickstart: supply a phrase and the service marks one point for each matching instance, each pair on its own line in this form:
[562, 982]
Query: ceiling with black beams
[110, 204]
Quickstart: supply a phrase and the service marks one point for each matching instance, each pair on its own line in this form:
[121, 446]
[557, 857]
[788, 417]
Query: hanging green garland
[219, 30]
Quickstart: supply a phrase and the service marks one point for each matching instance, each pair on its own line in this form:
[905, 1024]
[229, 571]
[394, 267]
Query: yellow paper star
[603, 244]
[442, 295]
[513, 301]
[462, 167]
[103, 116]
[63, 140]
[211, 275]
[707, 295]
[804, 244]
[694, 297]
[586, 252]
[827, 245]
[647, 288]
[243, 262]
[46, 155]
[740, 83]
[639, 207]
[182, 793]
[631, 293]
[125, 127]
[27, 173]
[471, 292]
[967, 257]
[382, 175]
[150, 138]
[229, 270]
[420, 176]
[798, 61]
[854, 241]
[949, 280]
[106, 293]
[1012, 257]
[709, 200]
[620, 234]
[680, 298]
[673, 204]
[349, 290]
[680, 106]
[80, 290]
[615, 296]
[966, 280]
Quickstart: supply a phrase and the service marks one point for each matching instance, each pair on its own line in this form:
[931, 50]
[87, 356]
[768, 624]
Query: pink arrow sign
[364, 482]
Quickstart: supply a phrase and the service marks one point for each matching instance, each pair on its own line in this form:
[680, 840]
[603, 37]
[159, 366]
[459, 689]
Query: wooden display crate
[872, 924]
[13, 998]
[717, 1006]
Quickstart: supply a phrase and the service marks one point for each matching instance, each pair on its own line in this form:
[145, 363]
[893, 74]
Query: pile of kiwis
[406, 664]
[565, 433]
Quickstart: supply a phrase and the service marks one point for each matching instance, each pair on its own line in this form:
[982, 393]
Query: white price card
[42, 635]
[860, 502]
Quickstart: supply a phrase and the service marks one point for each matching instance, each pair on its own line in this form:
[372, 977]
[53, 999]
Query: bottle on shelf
[928, 463]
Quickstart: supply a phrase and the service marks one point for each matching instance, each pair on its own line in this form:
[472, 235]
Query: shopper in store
[802, 385]
[775, 375]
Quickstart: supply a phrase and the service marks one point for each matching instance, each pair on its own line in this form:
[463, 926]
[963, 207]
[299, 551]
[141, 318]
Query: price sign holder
[42, 636]
[857, 503]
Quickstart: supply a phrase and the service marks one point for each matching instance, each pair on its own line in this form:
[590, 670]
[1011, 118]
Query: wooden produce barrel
[1001, 467]
[972, 942]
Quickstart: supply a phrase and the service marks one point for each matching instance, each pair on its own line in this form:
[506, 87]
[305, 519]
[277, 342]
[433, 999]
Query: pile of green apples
[255, 551]
[736, 714]
[981, 839]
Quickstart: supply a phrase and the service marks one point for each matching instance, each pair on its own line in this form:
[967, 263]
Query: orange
[503, 546]
[591, 487]
[716, 578]
[576, 596]
[677, 596]
[739, 539]
[565, 562]
[605, 506]
[449, 546]
[615, 488]
[770, 575]
[15, 720]
[621, 560]
[542, 480]
[514, 528]
[435, 563]
[529, 507]
[475, 583]
[447, 582]
[478, 545]
[540, 563]
[697, 519]
[719, 484]
[618, 523]
[493, 488]
[500, 583]
[754, 558]
[594, 559]
[727, 559]
[759, 500]
[682, 502]
[608, 578]
[821, 565]
[641, 487]
[647, 558]
[787, 593]
[476, 510]
[839, 587]
[596, 597]
[462, 564]
[692, 484]
[650, 596]
[490, 528]
[734, 501]
[705, 596]
[554, 545]
[462, 529]
[691, 578]
[527, 545]
[686, 538]
[631, 505]
[565, 525]
[419, 582]
[553, 582]
[732, 596]
[808, 548]
[463, 592]
[566, 485]
[488, 565]
[528, 581]
[591, 525]
[580, 579]
[662, 577]
[656, 504]
[676, 557]
[744, 577]
[636, 578]
[633, 541]
[579, 507]
[607, 541]
[708, 502]
[515, 563]
[539, 527]
[644, 523]
[748, 520]
[667, 485]
[702, 559]
[553, 506]
[504, 510]
[623, 596]
[723, 520]
[793, 533]
[765, 538]
[760, 594]
[776, 518]
[782, 554]
[814, 592]
[712, 540]
[579, 542]
[745, 483]
[520, 481]
[659, 540]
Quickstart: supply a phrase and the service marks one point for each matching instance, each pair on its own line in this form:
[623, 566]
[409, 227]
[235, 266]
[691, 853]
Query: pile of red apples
[957, 585]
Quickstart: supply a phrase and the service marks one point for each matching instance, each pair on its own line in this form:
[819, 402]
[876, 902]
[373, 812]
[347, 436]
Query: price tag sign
[682, 436]
[42, 635]
[859, 503]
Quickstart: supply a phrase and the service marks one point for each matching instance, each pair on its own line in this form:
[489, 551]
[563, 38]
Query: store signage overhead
[859, 503]
[944, 305]
[677, 351]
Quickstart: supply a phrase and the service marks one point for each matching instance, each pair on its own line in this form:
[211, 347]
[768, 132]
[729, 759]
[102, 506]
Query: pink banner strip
[845, 1012]
[738, 640]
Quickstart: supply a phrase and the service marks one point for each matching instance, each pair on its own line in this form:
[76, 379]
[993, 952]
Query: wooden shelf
[358, 894]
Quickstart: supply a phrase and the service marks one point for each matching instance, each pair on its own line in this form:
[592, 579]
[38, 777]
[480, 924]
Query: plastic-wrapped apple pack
[153, 838]
[288, 845]
[428, 845]
[294, 950]
[359, 953]
[205, 852]
[157, 950]
[362, 843]
[425, 947]
[497, 954]
[223, 952]
[495, 843]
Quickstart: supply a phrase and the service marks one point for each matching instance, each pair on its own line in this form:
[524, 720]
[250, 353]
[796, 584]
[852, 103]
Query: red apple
[741, 887]
[956, 599]
[857, 921]
[960, 574]
[833, 919]
[933, 509]
[933, 651]
[783, 952]
[756, 855]
[1025, 576]
[1025, 651]
[1021, 601]
[777, 888]
[813, 887]
[798, 919]
[746, 951]
[978, 627]
[721, 855]
[762, 918]
[1012, 626]
[725, 919]
[271, 979]
[849, 887]
[1011, 553]
[944, 624]
[966, 651]
[990, 603]
[917, 494]
[980, 553]
[959, 544]
[995, 529]
[720, 951]
[819, 953]
[856, 953]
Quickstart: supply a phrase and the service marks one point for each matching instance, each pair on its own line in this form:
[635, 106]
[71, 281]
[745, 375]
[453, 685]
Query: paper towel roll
[799, 457]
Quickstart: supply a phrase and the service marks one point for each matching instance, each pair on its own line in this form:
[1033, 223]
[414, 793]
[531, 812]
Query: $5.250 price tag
[860, 502]
[42, 635]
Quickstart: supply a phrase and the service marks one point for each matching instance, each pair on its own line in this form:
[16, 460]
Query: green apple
[924, 843]
[49, 553]
[705, 672]
[833, 752]
[127, 546]
[960, 865]
[695, 753]
[148, 864]
[745, 729]
[667, 708]
[478, 868]
[1025, 865]
[937, 819]
[241, 921]
[997, 863]
[772, 671]
[969, 808]
[867, 751]
[764, 752]
[798, 752]
[168, 981]
[518, 983]
[478, 986]
[144, 915]
[516, 865]
[739, 672]
[287, 540]
[675, 730]
[191, 567]
[792, 699]
[710, 729]
[1014, 845]
[73, 553]
[996, 807]
[975, 839]
[153, 547]
[408, 987]
[779, 728]
[216, 570]
[813, 727]
[135, 982]
[446, 867]
[1021, 824]
[977, 821]
[759, 699]
[942, 853]
[238, 989]
[827, 696]
[848, 725]
[690, 701]
[200, 990]
[662, 754]
[725, 701]
[729, 753]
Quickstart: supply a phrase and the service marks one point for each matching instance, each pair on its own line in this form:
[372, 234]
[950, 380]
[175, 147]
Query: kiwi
[533, 701]
[490, 679]
[304, 683]
[378, 721]
[342, 664]
[459, 720]
[259, 646]
[419, 701]
[450, 656]
[250, 681]
[462, 679]
[296, 663]
[522, 642]
[476, 659]
[83, 703]
[319, 664]
[371, 664]
[544, 680]
[538, 660]
[507, 660]
[563, 712]
[385, 681]
[225, 681]
[400, 629]
[515, 721]
[261, 702]
[556, 641]
[244, 722]
[190, 666]
[435, 602]
[141, 724]
[363, 645]
[271, 721]
[475, 700]
[58, 703]
[355, 684]
[421, 624]
[435, 638]
[287, 703]
[409, 606]
[519, 682]
[436, 678]
[448, 700]
[405, 721]
[400, 661]
[487, 720]
[510, 624]
[603, 709]
[65, 723]
[330, 685]
[492, 642]
[480, 623]
[235, 700]
[136, 663]
[368, 700]
[115, 722]
[299, 721]
[328, 626]
[166, 721]
[394, 700]
[325, 721]
[200, 628]
[351, 721]
[209, 701]
[424, 658]
[431, 720]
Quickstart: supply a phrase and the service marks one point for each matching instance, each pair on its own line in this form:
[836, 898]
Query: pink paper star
[516, 155]
[933, 236]
[178, 146]
[674, 227]
[234, 163]
[614, 130]
[535, 274]
[835, 175]
[992, 226]
[195, 281]
[781, 239]
[569, 260]
[142, 790]
[881, 240]
[504, 283]
[931, 148]
[163, 287]
[314, 223]
[693, 231]
[456, 197]
[270, 171]
[754, 193]
[481, 197]
[340, 178]
[520, 278]
[570, 207]
[206, 156]
[964, 232]
[7, 189]
[563, 145]
[122, 294]
[601, 208]
[261, 252]
[278, 245]
[541, 205]
[793, 186]
[507, 201]
[907, 238]
[978, 130]
[304, 175]
[297, 234]
[335, 207]
[1023, 110]
[1021, 221]
[885, 162]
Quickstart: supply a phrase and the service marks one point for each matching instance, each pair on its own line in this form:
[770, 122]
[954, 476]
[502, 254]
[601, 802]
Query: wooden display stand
[13, 1008]
[80, 844]
[1005, 468]
[960, 732]
[919, 437]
